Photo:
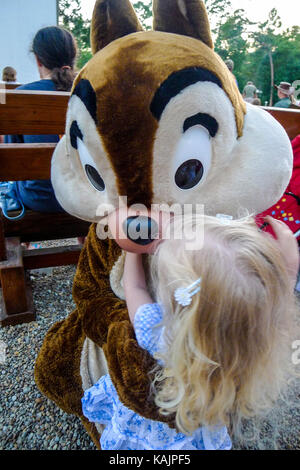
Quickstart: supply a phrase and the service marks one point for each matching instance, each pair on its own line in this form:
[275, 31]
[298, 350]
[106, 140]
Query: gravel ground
[28, 420]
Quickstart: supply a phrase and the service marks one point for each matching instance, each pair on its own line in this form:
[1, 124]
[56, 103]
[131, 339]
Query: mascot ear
[111, 20]
[187, 17]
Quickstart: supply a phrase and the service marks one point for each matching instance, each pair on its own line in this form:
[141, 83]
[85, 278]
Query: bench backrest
[44, 112]
[9, 85]
[30, 113]
[288, 118]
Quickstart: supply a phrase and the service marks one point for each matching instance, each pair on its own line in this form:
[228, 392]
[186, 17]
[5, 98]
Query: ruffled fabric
[126, 430]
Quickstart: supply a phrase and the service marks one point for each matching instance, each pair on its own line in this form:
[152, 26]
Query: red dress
[287, 208]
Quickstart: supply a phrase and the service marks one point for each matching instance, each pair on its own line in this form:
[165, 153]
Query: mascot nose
[140, 229]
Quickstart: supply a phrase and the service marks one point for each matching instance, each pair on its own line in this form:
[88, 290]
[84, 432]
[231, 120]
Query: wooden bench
[10, 86]
[31, 112]
[288, 118]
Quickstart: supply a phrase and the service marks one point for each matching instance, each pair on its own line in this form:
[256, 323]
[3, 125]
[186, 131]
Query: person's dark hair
[56, 49]
[9, 74]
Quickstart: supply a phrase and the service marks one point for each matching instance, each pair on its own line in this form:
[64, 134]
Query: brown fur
[194, 24]
[104, 30]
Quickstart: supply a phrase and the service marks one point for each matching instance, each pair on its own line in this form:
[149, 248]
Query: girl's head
[9, 74]
[230, 349]
[55, 49]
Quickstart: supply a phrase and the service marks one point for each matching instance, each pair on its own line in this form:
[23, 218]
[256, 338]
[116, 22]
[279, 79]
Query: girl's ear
[186, 17]
[111, 20]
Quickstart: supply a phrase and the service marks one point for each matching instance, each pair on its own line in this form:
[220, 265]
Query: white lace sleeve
[147, 331]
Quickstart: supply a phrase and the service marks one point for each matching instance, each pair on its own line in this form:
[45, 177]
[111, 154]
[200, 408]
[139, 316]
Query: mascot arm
[131, 370]
[98, 306]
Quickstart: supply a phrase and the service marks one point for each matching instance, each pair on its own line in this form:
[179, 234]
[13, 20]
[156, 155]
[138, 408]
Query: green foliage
[70, 17]
[231, 41]
[254, 47]
[218, 8]
[144, 12]
[271, 46]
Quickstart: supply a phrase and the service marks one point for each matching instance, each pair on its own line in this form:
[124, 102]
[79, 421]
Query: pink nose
[137, 231]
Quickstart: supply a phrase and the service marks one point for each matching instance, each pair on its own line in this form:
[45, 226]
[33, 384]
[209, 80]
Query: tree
[265, 39]
[260, 51]
[231, 41]
[70, 17]
[275, 55]
[217, 9]
[144, 12]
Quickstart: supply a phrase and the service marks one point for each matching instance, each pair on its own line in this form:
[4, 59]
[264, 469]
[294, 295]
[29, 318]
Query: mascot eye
[94, 177]
[89, 166]
[189, 174]
[192, 158]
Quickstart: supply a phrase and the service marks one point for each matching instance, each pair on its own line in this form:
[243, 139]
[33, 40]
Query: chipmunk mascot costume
[156, 117]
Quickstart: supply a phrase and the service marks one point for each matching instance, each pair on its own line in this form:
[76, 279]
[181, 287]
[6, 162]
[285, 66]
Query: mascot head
[157, 117]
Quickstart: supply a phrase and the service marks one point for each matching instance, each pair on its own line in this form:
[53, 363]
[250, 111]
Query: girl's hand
[288, 245]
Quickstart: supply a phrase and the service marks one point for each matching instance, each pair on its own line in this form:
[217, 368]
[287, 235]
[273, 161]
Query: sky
[257, 10]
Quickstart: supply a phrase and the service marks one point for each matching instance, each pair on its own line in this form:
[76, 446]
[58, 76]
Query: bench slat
[20, 162]
[32, 112]
[288, 118]
[39, 226]
[9, 85]
[51, 257]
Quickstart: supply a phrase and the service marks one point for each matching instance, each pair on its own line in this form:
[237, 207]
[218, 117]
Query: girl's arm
[136, 292]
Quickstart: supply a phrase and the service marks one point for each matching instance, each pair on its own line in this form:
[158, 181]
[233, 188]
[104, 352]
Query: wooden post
[16, 295]
[2, 241]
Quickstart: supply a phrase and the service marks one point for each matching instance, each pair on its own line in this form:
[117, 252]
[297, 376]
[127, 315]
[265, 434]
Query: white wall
[19, 22]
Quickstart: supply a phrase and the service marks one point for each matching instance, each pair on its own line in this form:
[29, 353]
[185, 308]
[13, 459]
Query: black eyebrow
[74, 133]
[204, 120]
[86, 93]
[177, 82]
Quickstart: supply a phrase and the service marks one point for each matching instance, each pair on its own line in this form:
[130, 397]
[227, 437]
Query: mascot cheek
[72, 189]
[264, 146]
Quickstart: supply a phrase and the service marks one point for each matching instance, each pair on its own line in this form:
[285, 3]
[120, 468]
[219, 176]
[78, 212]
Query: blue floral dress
[125, 429]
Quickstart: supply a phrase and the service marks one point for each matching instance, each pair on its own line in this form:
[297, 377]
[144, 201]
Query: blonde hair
[228, 353]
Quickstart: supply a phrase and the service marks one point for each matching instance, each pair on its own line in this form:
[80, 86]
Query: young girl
[222, 334]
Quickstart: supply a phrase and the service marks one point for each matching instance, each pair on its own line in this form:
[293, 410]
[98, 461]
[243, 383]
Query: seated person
[250, 92]
[55, 52]
[285, 93]
[9, 75]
